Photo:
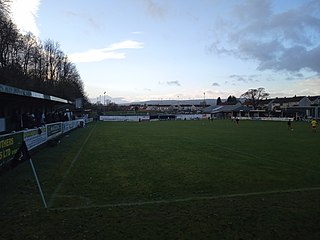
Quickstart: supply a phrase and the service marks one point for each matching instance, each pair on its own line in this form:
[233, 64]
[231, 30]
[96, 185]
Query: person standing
[314, 125]
[290, 125]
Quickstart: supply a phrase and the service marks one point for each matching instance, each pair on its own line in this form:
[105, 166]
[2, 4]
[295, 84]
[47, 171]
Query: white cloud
[125, 45]
[244, 78]
[97, 55]
[24, 15]
[310, 86]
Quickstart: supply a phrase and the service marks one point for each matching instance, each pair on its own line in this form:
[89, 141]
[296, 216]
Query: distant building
[228, 110]
[298, 107]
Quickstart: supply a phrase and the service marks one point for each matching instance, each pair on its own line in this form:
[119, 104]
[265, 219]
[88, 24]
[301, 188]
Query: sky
[136, 50]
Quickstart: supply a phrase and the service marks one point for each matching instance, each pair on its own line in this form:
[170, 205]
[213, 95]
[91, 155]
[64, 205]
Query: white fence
[134, 118]
[192, 116]
[282, 119]
[37, 136]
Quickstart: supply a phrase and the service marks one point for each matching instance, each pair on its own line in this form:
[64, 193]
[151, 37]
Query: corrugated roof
[226, 108]
[313, 98]
[26, 93]
[287, 100]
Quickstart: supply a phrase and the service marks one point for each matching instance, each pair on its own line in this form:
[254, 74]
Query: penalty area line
[69, 168]
[189, 199]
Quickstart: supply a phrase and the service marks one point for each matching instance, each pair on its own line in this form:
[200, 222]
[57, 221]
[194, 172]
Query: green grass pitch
[170, 180]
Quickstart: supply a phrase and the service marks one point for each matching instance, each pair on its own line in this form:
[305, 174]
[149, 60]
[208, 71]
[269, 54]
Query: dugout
[15, 103]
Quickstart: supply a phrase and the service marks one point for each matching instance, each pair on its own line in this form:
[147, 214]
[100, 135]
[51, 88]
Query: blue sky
[180, 49]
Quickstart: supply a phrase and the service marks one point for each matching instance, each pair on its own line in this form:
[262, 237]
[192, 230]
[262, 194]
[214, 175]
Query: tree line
[28, 63]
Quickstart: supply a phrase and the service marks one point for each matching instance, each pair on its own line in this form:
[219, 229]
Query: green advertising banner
[9, 145]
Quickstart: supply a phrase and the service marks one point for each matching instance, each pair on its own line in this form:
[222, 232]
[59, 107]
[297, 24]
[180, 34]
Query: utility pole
[104, 102]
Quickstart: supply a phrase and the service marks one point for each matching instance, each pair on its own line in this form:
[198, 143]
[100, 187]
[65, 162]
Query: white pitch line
[189, 199]
[69, 169]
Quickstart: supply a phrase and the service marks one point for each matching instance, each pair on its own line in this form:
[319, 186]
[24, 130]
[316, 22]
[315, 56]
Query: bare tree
[26, 62]
[30, 45]
[254, 96]
[53, 56]
[8, 37]
[5, 7]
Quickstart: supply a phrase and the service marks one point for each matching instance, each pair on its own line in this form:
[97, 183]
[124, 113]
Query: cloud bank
[279, 41]
[111, 52]
[244, 78]
[24, 14]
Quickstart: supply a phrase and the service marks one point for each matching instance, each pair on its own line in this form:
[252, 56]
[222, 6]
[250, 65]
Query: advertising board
[9, 145]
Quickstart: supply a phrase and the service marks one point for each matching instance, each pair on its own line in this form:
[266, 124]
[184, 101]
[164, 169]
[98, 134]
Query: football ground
[169, 180]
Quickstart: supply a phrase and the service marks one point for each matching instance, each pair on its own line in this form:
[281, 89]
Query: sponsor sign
[9, 145]
[54, 129]
[68, 126]
[35, 137]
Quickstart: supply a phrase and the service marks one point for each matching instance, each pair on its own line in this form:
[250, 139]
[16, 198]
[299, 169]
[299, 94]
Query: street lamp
[104, 102]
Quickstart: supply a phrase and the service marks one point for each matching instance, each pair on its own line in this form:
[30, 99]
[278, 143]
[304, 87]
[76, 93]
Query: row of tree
[230, 100]
[28, 63]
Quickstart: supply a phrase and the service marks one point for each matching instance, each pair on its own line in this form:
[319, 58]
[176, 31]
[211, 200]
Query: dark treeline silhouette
[28, 63]
[230, 100]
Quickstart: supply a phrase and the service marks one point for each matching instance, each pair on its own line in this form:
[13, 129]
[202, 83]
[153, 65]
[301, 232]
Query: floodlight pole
[104, 102]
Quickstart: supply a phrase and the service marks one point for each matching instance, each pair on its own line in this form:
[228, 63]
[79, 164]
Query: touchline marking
[189, 199]
[69, 169]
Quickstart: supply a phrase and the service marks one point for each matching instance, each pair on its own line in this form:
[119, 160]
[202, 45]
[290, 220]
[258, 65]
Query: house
[265, 104]
[315, 103]
[299, 107]
[315, 100]
[285, 103]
